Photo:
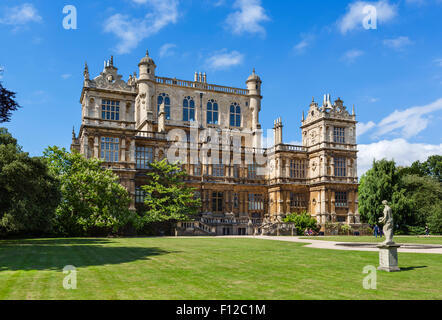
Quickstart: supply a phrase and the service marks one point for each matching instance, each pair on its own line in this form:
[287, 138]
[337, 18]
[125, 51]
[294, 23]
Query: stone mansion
[128, 124]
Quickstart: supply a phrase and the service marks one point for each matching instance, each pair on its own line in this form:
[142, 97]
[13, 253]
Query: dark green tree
[383, 182]
[430, 168]
[425, 193]
[93, 201]
[7, 104]
[434, 221]
[167, 196]
[29, 193]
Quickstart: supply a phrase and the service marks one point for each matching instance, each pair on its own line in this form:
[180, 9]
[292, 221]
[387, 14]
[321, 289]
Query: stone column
[85, 150]
[132, 151]
[123, 150]
[96, 147]
[123, 111]
[246, 202]
[323, 201]
[287, 168]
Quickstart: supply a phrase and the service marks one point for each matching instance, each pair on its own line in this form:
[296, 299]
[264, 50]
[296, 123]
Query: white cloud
[399, 150]
[438, 62]
[306, 42]
[398, 43]
[410, 122]
[248, 18]
[66, 76]
[351, 55]
[224, 60]
[362, 128]
[131, 31]
[406, 124]
[167, 50]
[355, 15]
[20, 15]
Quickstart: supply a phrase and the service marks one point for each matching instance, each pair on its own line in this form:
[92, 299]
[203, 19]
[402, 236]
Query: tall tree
[167, 196]
[7, 104]
[425, 193]
[93, 201]
[382, 182]
[432, 168]
[29, 193]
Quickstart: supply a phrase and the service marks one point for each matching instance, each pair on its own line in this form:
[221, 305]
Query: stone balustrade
[201, 85]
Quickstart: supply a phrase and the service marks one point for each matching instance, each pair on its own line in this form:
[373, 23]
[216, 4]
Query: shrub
[302, 221]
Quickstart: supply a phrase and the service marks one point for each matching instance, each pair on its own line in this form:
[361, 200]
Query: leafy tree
[425, 193]
[167, 196]
[383, 182]
[93, 201]
[431, 168]
[7, 104]
[29, 194]
[435, 219]
[302, 221]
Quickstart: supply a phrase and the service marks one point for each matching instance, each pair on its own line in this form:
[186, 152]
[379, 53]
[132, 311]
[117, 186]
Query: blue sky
[392, 74]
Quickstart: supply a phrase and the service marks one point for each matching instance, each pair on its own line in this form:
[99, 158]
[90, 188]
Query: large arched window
[188, 109]
[235, 115]
[164, 98]
[212, 112]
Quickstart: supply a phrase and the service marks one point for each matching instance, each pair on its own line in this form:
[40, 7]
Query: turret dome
[254, 77]
[146, 60]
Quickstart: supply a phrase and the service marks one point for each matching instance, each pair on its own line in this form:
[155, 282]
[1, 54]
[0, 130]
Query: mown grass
[372, 239]
[212, 268]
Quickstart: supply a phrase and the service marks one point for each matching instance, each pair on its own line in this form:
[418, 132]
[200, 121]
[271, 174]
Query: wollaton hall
[127, 124]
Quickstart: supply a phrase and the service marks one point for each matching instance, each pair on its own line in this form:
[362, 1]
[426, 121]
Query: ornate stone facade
[242, 185]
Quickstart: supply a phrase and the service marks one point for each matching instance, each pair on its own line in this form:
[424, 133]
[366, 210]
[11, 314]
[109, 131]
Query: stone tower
[254, 87]
[145, 101]
[329, 134]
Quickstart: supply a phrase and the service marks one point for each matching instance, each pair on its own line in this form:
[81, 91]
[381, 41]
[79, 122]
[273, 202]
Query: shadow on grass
[58, 241]
[55, 254]
[412, 268]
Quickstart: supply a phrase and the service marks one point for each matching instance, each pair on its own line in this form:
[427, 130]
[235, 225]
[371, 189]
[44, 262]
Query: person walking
[427, 231]
[376, 231]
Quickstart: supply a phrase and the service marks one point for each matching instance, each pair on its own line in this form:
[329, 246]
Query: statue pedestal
[388, 257]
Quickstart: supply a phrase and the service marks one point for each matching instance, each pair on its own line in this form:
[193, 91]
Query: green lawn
[212, 268]
[397, 239]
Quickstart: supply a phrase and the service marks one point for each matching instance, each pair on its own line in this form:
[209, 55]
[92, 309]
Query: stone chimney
[278, 131]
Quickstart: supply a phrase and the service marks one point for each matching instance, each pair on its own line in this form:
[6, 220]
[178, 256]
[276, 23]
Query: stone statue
[388, 224]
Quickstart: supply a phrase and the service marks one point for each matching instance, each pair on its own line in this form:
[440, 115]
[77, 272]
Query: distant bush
[302, 221]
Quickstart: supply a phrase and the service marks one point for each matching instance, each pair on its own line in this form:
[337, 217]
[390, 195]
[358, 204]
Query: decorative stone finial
[86, 71]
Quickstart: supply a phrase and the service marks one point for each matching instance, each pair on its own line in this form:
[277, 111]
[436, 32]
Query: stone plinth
[388, 257]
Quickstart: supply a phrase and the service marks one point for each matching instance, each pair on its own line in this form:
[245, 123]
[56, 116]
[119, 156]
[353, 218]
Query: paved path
[321, 244]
